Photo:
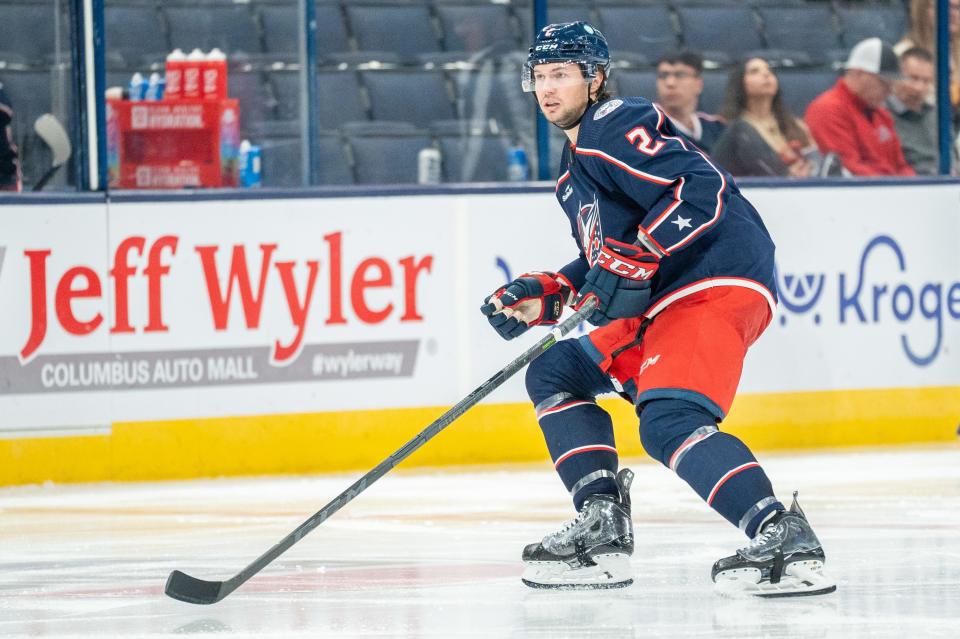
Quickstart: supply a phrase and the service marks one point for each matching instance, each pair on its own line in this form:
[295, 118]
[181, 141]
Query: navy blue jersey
[633, 178]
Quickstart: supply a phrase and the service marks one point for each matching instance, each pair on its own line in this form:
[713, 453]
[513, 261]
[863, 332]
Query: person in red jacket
[850, 120]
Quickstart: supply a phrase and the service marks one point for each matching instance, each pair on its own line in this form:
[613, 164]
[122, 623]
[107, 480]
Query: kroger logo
[874, 295]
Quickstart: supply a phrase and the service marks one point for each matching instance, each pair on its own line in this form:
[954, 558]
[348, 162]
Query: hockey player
[682, 269]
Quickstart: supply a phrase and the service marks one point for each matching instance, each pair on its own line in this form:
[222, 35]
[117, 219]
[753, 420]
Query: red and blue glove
[530, 300]
[621, 280]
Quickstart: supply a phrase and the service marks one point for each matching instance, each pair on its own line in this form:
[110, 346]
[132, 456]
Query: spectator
[849, 119]
[914, 117]
[923, 34]
[10, 179]
[764, 137]
[679, 85]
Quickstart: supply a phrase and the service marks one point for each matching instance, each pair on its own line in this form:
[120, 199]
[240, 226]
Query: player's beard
[569, 117]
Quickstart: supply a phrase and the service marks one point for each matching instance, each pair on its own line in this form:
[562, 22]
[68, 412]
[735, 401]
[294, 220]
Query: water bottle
[214, 76]
[176, 62]
[191, 74]
[428, 166]
[155, 87]
[249, 165]
[138, 87]
[518, 170]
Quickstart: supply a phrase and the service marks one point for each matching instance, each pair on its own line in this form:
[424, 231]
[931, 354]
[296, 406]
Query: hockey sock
[721, 469]
[562, 384]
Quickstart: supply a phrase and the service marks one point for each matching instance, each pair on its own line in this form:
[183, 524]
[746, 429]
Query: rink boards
[153, 337]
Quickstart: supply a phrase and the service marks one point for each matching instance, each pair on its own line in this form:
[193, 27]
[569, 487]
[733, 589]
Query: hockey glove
[621, 281]
[530, 300]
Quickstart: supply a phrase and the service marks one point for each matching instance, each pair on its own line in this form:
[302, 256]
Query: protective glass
[562, 74]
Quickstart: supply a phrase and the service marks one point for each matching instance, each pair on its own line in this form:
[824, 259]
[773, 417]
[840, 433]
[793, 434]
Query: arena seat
[471, 152]
[387, 153]
[135, 33]
[281, 29]
[419, 96]
[402, 28]
[641, 28]
[226, 25]
[711, 27]
[800, 86]
[858, 22]
[28, 32]
[474, 26]
[338, 96]
[810, 28]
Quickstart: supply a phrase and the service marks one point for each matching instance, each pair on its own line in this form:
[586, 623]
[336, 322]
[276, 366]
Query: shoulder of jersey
[613, 113]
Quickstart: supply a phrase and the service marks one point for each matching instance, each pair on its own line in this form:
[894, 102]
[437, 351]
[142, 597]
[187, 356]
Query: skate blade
[610, 571]
[800, 579]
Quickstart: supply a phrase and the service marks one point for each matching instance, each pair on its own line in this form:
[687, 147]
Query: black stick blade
[183, 587]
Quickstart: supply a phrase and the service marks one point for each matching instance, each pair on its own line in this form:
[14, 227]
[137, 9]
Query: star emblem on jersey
[682, 223]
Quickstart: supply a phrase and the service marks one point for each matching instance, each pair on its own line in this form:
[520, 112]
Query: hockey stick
[200, 591]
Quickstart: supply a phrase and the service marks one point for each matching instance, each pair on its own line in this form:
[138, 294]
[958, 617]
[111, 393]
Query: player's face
[562, 92]
[758, 80]
[678, 86]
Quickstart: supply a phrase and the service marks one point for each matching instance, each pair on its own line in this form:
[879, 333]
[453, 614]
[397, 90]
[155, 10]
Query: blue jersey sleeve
[636, 151]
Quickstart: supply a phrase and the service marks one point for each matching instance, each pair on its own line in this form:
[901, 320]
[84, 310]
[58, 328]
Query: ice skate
[785, 559]
[591, 551]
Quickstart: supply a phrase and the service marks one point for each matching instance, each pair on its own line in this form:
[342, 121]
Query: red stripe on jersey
[563, 177]
[626, 167]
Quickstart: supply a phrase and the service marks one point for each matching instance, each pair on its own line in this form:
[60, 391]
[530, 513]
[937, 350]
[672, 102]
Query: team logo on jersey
[607, 108]
[591, 233]
[567, 193]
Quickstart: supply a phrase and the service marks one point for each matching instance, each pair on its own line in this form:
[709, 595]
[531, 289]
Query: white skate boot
[785, 559]
[591, 551]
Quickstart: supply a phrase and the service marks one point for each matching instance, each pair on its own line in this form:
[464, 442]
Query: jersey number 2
[645, 144]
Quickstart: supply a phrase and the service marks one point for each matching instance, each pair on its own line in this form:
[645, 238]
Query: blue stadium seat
[338, 97]
[474, 158]
[645, 29]
[333, 166]
[281, 30]
[134, 33]
[404, 29]
[473, 26]
[418, 96]
[493, 93]
[27, 32]
[557, 11]
[250, 88]
[226, 25]
[858, 22]
[714, 89]
[387, 157]
[799, 87]
[280, 162]
[809, 28]
[710, 27]
[635, 82]
[30, 94]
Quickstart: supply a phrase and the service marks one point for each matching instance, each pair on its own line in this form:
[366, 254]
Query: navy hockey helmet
[576, 42]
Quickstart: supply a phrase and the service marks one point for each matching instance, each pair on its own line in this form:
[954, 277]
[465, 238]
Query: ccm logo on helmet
[624, 268]
[546, 47]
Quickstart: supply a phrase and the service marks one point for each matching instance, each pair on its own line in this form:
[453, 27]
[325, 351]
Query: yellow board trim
[496, 433]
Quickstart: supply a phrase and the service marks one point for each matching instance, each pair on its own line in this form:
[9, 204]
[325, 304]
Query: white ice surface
[436, 554]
